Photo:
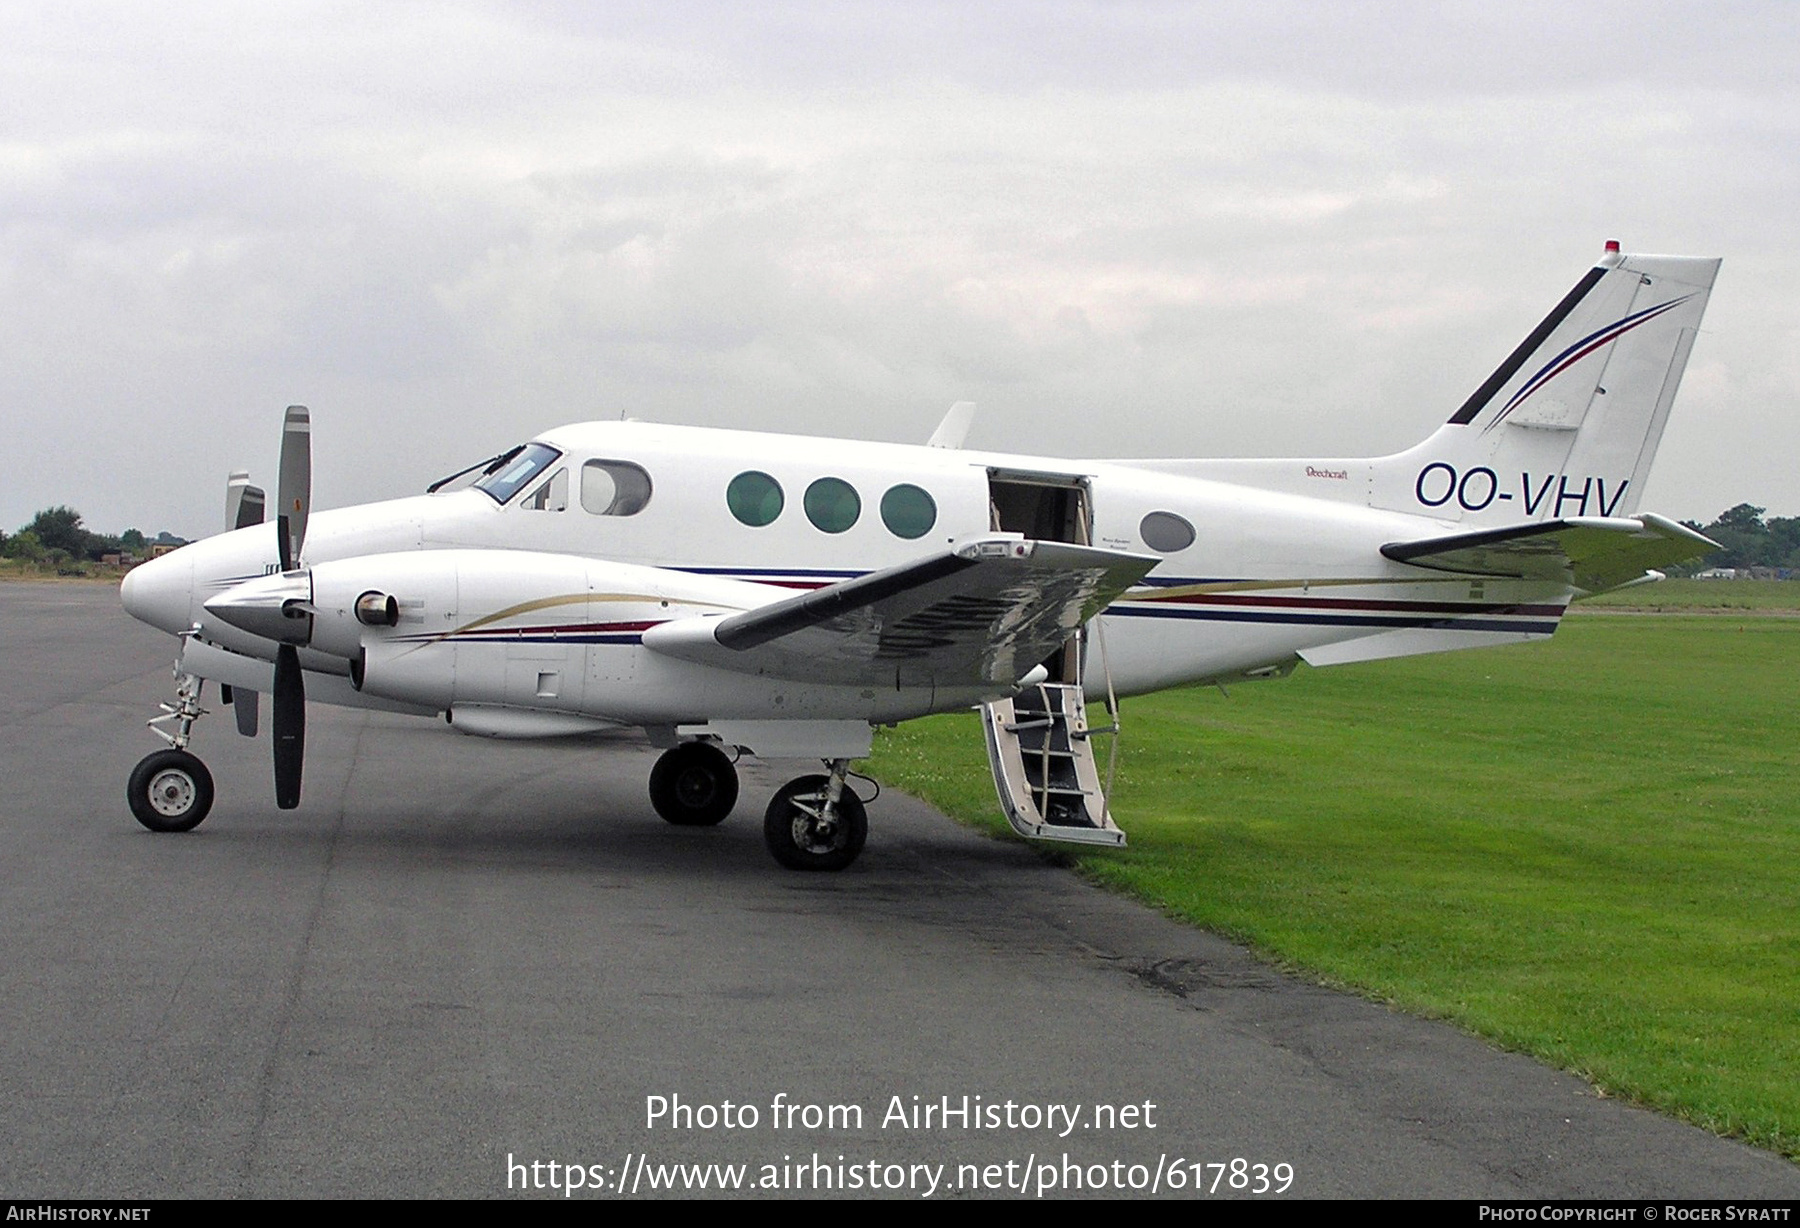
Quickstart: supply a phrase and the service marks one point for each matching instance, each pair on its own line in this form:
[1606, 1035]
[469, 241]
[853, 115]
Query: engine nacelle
[442, 628]
[382, 598]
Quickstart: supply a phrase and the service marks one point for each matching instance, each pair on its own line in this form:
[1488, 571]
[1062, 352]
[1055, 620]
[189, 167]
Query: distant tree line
[1747, 540]
[56, 536]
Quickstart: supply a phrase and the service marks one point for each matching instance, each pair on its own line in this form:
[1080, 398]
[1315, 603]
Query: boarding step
[1041, 750]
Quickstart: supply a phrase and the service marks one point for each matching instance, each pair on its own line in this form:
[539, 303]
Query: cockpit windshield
[510, 472]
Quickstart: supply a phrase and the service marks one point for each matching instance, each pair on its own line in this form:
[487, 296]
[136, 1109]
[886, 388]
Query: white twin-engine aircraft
[741, 593]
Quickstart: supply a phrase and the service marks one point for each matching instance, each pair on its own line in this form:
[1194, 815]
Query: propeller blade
[250, 509]
[289, 713]
[243, 707]
[237, 486]
[293, 489]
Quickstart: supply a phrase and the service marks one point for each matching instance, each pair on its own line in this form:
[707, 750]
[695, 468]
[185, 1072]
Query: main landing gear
[816, 822]
[813, 823]
[694, 785]
[171, 790]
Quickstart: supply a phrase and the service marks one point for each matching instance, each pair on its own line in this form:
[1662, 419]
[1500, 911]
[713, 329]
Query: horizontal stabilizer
[1590, 553]
[982, 615]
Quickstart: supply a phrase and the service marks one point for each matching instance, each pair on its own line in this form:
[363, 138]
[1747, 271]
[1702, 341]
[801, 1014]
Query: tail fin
[1568, 424]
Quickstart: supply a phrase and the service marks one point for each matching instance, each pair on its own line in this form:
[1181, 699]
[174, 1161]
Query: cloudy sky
[1123, 229]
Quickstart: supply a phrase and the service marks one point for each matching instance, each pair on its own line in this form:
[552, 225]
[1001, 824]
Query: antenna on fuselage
[954, 428]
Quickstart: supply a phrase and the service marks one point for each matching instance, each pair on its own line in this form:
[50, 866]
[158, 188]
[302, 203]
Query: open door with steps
[1039, 741]
[1042, 753]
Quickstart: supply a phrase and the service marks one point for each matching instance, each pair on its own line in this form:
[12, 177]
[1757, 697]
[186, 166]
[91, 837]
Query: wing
[1588, 552]
[983, 614]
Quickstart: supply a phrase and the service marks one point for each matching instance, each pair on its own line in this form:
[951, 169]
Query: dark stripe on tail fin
[1527, 347]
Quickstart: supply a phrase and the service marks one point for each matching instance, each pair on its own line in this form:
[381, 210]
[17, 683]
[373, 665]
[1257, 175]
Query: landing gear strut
[816, 823]
[694, 785]
[171, 790]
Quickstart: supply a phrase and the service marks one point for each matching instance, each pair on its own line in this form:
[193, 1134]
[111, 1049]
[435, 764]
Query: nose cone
[161, 592]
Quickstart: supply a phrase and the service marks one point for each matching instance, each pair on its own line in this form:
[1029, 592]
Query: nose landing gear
[171, 790]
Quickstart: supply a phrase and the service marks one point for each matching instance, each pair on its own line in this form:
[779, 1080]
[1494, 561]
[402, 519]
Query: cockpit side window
[614, 488]
[552, 495]
[512, 473]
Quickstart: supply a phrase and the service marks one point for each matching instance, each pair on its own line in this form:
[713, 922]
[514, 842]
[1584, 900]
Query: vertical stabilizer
[1569, 423]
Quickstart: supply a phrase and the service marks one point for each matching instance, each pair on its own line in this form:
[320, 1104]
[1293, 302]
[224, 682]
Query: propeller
[243, 508]
[278, 607]
[289, 712]
[293, 487]
[293, 492]
[243, 502]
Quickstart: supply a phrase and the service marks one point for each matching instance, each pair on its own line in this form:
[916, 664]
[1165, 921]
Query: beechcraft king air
[738, 593]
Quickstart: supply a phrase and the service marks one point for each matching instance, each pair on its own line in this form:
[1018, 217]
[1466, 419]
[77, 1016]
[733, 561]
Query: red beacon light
[1612, 247]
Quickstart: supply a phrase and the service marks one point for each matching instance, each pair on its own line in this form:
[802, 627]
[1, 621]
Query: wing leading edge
[978, 616]
[1590, 553]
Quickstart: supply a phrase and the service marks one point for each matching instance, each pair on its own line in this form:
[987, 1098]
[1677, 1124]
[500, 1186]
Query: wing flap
[981, 615]
[1590, 553]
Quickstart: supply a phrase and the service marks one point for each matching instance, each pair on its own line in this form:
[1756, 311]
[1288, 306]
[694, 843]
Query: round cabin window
[1165, 532]
[832, 505]
[908, 512]
[754, 498]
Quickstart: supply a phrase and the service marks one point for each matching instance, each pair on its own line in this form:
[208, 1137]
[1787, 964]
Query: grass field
[1587, 849]
[1680, 595]
[99, 573]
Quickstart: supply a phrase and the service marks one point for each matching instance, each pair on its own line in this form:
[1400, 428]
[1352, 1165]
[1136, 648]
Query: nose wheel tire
[799, 834]
[694, 785]
[170, 791]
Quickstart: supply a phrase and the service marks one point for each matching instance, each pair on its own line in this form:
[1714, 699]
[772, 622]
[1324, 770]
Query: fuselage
[720, 519]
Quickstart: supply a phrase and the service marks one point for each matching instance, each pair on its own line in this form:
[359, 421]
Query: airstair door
[1039, 742]
[1041, 749]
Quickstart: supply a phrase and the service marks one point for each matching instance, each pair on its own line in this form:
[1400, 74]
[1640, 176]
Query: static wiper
[491, 464]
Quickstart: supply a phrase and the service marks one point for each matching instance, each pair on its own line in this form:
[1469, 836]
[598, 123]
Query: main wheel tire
[694, 785]
[792, 829]
[170, 791]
